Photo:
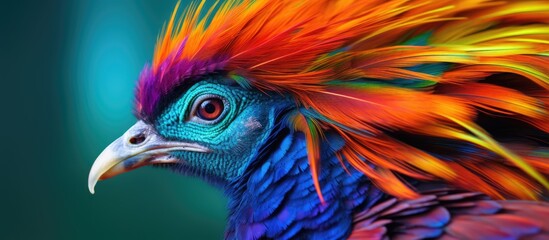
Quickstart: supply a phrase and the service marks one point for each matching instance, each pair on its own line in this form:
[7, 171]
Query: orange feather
[325, 53]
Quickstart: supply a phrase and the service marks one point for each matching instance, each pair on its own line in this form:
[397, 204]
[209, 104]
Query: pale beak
[139, 146]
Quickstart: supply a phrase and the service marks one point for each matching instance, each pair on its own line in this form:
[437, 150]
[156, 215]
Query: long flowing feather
[377, 72]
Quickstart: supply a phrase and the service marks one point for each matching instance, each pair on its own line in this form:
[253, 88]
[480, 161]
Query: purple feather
[156, 82]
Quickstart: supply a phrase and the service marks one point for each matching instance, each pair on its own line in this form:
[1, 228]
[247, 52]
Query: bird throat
[276, 197]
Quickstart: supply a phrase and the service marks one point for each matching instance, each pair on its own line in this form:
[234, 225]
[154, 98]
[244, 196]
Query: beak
[139, 146]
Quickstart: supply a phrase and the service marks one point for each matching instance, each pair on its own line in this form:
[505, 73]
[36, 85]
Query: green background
[67, 76]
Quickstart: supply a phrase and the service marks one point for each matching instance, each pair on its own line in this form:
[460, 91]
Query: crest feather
[377, 70]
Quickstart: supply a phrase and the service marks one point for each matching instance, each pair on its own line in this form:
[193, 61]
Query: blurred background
[68, 71]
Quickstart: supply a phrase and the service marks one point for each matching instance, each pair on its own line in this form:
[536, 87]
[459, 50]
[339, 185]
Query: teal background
[67, 76]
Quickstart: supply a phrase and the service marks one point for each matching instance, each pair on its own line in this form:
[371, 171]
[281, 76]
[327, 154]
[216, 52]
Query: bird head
[379, 74]
[212, 128]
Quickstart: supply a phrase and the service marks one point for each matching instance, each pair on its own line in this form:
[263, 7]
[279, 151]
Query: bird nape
[377, 119]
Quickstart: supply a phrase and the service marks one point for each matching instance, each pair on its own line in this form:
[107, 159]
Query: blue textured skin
[262, 166]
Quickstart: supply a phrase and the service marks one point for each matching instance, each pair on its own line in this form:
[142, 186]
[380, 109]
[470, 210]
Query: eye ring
[208, 108]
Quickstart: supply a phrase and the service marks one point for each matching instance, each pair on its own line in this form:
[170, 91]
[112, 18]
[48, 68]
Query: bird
[352, 119]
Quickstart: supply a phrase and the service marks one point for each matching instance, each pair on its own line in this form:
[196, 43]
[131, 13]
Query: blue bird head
[213, 128]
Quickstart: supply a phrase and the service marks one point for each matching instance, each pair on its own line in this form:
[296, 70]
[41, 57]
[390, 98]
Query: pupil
[209, 108]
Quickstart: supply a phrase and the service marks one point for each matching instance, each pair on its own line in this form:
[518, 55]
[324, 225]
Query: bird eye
[209, 109]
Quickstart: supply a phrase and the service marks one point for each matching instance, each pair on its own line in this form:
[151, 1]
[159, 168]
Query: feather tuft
[377, 72]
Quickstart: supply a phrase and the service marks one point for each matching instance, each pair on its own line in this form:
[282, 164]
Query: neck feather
[276, 197]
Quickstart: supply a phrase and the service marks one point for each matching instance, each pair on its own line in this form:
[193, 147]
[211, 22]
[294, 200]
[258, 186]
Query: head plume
[369, 68]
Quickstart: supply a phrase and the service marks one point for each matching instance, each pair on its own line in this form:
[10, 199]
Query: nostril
[137, 139]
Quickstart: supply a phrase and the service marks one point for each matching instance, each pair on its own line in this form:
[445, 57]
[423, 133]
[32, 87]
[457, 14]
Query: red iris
[210, 109]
